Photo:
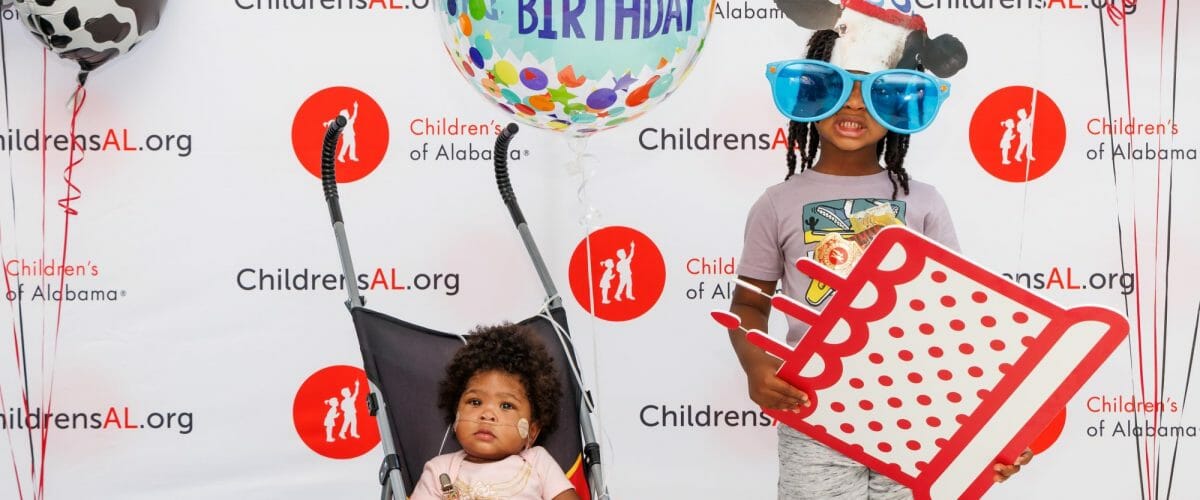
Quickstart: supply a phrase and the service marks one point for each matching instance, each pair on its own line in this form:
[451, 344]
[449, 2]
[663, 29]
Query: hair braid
[814, 143]
[803, 136]
[793, 134]
[894, 153]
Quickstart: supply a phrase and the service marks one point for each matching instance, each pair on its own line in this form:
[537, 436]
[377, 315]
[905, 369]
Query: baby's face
[488, 414]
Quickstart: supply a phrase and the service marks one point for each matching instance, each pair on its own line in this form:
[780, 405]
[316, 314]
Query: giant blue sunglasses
[903, 101]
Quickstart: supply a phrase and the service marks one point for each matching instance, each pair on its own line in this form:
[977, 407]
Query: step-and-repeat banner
[193, 342]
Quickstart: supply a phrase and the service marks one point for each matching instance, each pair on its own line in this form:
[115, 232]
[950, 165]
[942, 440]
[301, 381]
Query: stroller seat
[409, 360]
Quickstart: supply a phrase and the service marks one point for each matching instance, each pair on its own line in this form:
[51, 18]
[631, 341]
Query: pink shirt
[531, 475]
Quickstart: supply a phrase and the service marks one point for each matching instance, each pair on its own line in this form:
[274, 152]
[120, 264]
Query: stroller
[404, 361]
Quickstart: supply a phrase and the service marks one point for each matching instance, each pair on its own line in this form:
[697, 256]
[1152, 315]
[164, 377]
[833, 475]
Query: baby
[501, 394]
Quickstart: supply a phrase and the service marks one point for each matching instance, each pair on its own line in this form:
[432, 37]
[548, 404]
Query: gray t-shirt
[791, 217]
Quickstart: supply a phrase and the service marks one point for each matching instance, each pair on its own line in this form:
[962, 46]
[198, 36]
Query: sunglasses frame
[773, 69]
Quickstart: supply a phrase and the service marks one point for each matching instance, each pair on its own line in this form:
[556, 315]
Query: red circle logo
[364, 140]
[624, 276]
[1018, 134]
[330, 413]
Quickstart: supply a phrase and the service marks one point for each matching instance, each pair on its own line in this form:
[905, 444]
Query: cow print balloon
[90, 32]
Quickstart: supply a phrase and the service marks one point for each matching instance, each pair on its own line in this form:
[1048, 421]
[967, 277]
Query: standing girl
[848, 137]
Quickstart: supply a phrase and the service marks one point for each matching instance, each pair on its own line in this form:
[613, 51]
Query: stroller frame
[389, 471]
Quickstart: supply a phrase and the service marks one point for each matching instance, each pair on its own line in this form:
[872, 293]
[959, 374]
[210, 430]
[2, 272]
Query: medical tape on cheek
[522, 424]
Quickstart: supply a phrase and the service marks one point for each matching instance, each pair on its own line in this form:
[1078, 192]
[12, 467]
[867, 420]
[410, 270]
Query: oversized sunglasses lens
[808, 90]
[905, 101]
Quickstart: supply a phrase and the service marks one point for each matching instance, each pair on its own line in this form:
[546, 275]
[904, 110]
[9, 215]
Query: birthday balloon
[90, 32]
[577, 67]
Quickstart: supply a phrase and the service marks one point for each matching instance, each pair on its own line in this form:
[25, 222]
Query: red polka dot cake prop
[928, 368]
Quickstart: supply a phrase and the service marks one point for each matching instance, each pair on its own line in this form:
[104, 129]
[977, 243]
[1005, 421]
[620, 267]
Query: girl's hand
[770, 391]
[1003, 472]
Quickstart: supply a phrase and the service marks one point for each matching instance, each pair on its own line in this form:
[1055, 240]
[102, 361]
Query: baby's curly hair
[511, 349]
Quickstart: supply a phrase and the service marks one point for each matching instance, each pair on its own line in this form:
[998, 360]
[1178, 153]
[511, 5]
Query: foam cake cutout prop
[928, 368]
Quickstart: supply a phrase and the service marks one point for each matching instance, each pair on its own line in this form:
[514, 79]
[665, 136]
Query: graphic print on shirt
[842, 229]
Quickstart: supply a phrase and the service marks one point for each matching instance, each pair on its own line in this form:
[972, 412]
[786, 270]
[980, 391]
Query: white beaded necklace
[482, 490]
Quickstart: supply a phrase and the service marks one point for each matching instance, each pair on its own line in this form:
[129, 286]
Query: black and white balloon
[90, 32]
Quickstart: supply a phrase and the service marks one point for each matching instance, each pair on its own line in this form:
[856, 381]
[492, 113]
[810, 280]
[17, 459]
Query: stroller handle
[328, 174]
[500, 158]
[329, 183]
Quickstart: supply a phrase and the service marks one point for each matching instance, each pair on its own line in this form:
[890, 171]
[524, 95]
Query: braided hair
[803, 137]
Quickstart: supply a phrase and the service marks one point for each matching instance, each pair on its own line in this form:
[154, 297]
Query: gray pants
[809, 470]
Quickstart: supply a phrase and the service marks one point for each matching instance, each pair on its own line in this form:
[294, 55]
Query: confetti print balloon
[576, 67]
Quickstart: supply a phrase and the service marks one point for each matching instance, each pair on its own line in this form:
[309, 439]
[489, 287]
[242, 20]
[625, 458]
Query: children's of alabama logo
[330, 413]
[364, 140]
[623, 277]
[1018, 134]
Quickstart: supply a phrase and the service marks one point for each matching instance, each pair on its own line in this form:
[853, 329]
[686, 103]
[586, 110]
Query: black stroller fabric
[406, 361]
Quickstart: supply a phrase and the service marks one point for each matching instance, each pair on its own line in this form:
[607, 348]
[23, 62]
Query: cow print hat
[90, 32]
[874, 37]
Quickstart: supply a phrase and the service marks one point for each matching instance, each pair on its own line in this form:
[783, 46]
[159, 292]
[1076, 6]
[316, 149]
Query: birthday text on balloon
[613, 19]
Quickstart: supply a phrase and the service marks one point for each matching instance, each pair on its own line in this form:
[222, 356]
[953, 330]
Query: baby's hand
[1003, 472]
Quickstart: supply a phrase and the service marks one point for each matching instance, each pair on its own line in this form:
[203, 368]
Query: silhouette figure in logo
[1025, 131]
[606, 280]
[330, 418]
[349, 412]
[625, 273]
[1006, 140]
[349, 143]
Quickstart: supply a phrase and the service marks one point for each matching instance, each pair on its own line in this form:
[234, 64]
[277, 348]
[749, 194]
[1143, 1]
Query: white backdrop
[169, 231]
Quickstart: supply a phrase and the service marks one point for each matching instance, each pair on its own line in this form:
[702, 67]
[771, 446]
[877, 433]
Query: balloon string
[42, 143]
[582, 165]
[73, 193]
[18, 316]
